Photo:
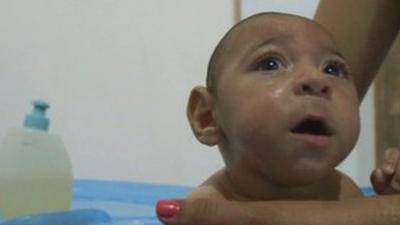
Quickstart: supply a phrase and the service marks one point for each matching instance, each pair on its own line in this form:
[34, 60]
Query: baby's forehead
[268, 25]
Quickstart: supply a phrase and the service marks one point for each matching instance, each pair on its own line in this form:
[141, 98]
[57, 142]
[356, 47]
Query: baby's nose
[313, 86]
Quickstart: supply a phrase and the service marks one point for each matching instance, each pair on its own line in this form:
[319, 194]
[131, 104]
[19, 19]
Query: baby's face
[284, 101]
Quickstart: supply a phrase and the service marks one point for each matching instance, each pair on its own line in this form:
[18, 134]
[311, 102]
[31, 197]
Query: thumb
[201, 212]
[379, 180]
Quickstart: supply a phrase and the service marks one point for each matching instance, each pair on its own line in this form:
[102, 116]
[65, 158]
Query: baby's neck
[252, 188]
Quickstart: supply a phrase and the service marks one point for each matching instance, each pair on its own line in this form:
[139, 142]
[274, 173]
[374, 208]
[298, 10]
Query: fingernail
[167, 209]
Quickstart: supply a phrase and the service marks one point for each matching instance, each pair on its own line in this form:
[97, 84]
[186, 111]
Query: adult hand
[383, 210]
[213, 212]
[386, 179]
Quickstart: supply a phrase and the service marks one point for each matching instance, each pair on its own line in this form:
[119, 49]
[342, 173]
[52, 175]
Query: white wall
[362, 160]
[117, 75]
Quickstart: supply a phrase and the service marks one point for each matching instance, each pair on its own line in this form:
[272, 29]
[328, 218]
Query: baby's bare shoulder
[206, 191]
[210, 188]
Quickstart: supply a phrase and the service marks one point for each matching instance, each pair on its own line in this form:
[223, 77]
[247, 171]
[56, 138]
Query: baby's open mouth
[312, 126]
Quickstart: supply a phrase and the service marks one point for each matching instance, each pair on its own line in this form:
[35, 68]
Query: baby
[282, 107]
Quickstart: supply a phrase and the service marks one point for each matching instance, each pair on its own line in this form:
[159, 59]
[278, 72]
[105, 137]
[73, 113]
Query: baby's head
[279, 100]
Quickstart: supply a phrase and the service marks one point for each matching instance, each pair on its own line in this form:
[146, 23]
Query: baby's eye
[269, 64]
[337, 69]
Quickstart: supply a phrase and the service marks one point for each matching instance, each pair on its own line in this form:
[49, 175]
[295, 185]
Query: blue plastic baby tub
[100, 202]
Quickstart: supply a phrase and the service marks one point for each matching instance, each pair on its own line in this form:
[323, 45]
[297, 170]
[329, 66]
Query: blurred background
[118, 74]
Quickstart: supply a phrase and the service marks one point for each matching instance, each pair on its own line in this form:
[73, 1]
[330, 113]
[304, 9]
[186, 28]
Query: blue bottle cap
[37, 118]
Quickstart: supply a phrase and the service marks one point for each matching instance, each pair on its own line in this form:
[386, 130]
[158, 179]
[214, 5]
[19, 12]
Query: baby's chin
[298, 181]
[303, 177]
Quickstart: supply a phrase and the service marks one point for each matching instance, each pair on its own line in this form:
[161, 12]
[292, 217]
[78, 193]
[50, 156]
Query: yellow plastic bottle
[35, 170]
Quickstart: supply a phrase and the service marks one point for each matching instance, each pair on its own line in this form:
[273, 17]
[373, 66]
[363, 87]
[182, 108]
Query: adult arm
[382, 210]
[364, 31]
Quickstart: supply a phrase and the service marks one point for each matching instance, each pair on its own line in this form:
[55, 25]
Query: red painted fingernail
[167, 209]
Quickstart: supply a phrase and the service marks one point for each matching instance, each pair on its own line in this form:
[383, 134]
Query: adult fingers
[380, 181]
[390, 160]
[395, 181]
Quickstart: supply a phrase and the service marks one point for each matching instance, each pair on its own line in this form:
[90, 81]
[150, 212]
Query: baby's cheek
[351, 125]
[258, 127]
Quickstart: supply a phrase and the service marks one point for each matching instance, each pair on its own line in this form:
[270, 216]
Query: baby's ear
[200, 112]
